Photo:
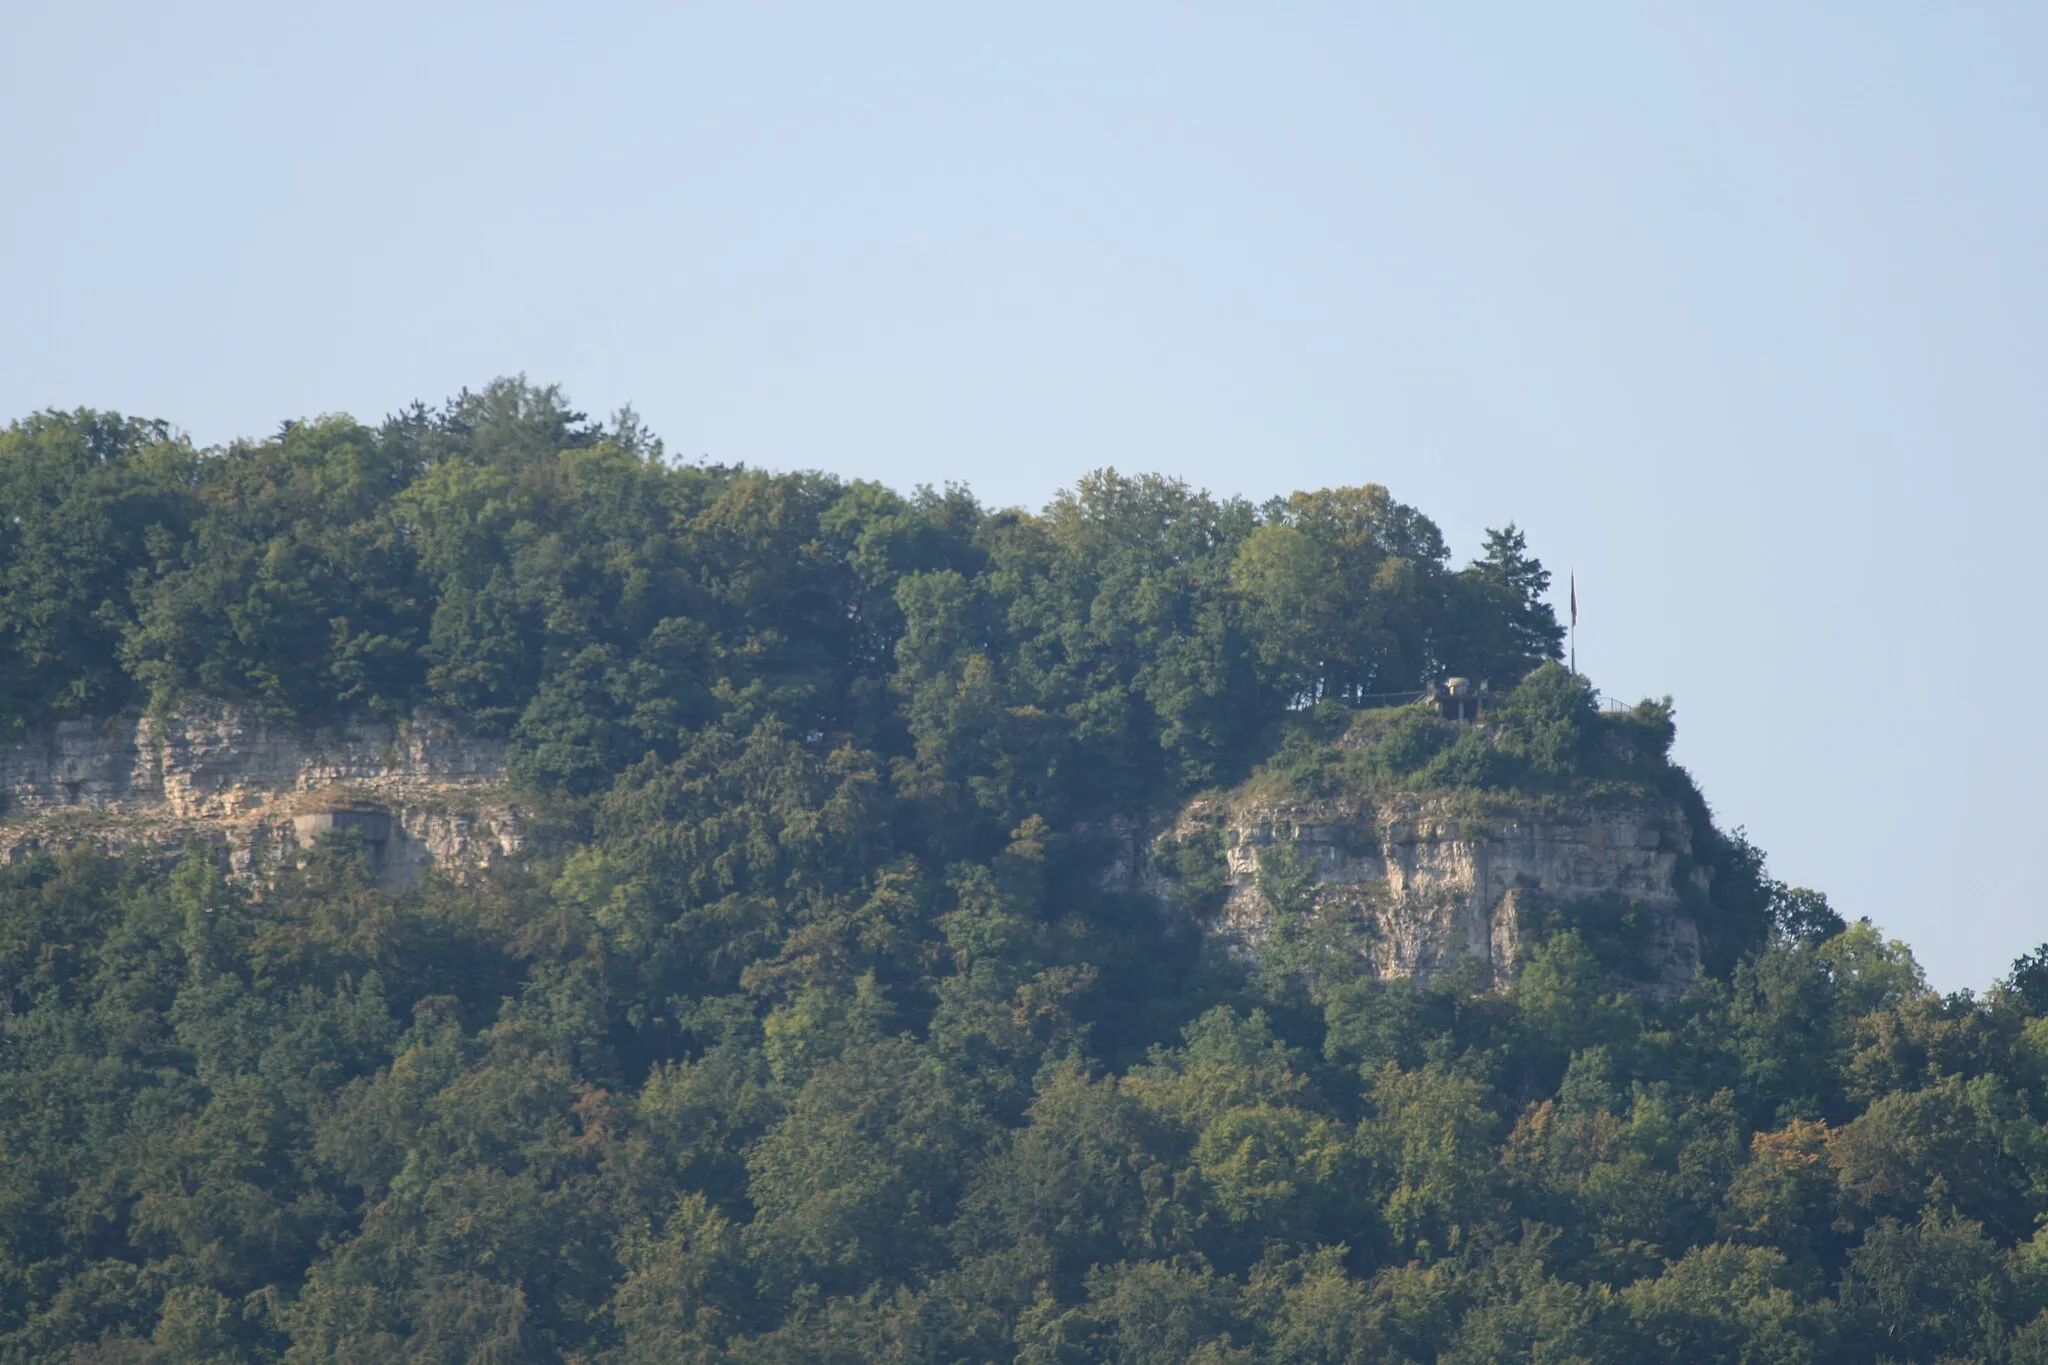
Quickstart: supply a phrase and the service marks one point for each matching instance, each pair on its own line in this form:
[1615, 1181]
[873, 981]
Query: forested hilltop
[813, 1025]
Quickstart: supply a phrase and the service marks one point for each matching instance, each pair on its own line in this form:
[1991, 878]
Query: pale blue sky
[1739, 309]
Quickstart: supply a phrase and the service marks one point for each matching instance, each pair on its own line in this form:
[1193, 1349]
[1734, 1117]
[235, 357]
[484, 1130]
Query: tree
[88, 501]
[1502, 627]
[851, 1185]
[1926, 1288]
[1429, 1139]
[1339, 589]
[1719, 1303]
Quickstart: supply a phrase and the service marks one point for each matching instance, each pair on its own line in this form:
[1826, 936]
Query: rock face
[1430, 886]
[418, 792]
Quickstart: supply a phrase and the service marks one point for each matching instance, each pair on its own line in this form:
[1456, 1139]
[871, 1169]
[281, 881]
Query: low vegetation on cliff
[1546, 736]
[810, 1027]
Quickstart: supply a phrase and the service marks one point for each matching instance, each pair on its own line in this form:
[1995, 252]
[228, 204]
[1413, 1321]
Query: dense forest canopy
[557, 579]
[812, 1029]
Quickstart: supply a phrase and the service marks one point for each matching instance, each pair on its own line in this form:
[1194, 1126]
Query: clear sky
[1739, 310]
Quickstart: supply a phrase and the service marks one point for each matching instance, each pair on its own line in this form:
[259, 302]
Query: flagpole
[1575, 622]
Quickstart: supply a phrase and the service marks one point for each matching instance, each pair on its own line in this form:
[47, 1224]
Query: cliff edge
[1451, 836]
[1424, 885]
[419, 792]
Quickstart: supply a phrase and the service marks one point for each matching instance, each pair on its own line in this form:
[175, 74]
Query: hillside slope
[908, 931]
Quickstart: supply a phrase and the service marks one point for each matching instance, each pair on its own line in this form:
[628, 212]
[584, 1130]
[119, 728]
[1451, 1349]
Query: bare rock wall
[218, 771]
[1431, 887]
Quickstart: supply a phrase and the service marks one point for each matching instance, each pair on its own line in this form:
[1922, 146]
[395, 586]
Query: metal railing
[1368, 701]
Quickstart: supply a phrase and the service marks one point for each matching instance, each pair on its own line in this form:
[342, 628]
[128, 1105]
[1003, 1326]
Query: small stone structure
[1458, 699]
[372, 827]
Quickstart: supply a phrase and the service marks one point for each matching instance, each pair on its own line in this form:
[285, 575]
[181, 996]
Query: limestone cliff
[1426, 883]
[420, 792]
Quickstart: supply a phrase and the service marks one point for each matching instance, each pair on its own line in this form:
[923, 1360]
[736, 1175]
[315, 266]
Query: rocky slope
[419, 792]
[1426, 884]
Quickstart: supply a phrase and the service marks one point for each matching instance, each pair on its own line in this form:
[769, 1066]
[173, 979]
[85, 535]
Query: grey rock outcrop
[1429, 886]
[221, 772]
